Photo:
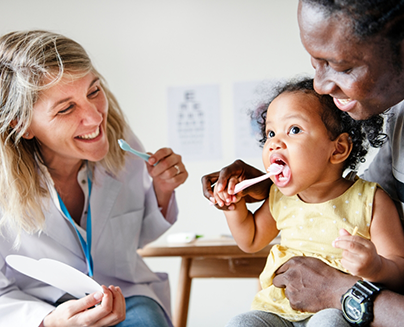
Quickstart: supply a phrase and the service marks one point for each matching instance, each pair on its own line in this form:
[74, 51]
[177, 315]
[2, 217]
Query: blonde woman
[69, 193]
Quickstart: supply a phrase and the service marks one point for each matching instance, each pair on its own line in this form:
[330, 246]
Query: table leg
[183, 293]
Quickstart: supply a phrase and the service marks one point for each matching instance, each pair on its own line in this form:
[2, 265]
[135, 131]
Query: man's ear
[28, 135]
[343, 147]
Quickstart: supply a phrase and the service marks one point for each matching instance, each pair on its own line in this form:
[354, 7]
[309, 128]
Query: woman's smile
[90, 136]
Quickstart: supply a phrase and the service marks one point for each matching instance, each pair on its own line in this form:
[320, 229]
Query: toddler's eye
[295, 130]
[270, 134]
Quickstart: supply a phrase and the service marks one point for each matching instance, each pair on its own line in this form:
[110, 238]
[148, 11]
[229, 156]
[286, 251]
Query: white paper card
[55, 273]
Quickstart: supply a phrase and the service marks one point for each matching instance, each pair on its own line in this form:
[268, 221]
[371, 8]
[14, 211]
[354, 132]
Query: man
[357, 51]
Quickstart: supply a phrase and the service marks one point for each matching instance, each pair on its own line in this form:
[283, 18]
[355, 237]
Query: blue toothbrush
[126, 147]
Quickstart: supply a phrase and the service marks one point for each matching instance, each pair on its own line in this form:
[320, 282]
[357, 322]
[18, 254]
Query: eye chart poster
[194, 122]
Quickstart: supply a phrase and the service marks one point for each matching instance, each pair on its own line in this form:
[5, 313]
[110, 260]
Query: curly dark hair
[362, 132]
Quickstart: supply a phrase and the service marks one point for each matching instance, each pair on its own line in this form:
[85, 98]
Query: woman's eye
[66, 110]
[94, 93]
[270, 134]
[295, 130]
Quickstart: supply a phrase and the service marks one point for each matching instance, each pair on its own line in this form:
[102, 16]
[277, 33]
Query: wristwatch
[357, 303]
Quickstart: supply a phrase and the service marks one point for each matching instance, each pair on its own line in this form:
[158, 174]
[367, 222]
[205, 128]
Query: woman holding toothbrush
[69, 193]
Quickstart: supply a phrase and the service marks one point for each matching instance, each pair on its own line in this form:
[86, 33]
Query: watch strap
[367, 289]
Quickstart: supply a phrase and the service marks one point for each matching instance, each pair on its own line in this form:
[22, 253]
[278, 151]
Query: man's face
[361, 76]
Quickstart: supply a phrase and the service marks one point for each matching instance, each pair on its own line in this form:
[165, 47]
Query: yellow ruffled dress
[308, 229]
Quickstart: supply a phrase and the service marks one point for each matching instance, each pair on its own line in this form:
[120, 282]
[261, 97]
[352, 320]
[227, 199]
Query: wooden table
[205, 258]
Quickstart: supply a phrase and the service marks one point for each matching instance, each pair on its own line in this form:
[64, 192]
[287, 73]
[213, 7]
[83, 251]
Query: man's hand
[311, 285]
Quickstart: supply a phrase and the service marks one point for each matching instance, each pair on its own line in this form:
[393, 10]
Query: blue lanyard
[86, 246]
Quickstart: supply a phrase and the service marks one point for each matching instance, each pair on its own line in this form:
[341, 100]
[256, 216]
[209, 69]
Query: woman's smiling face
[363, 77]
[69, 121]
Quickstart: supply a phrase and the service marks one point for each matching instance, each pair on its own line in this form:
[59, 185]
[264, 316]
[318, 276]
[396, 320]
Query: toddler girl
[314, 206]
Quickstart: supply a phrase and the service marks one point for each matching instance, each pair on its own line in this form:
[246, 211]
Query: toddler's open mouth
[282, 172]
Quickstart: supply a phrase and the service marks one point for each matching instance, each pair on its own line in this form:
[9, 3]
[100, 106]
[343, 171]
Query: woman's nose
[90, 114]
[323, 82]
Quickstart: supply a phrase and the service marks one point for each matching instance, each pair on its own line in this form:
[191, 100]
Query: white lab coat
[125, 217]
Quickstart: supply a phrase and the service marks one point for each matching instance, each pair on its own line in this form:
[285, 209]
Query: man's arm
[311, 285]
[388, 310]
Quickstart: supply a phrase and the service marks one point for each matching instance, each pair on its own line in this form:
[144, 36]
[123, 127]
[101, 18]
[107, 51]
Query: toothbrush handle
[144, 156]
[248, 182]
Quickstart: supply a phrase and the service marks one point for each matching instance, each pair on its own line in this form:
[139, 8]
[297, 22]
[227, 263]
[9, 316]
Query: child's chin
[287, 192]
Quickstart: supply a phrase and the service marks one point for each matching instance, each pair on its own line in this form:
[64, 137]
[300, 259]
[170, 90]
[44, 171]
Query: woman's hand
[227, 178]
[167, 175]
[111, 310]
[311, 285]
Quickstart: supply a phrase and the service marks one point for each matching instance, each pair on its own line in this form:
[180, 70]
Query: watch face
[353, 309]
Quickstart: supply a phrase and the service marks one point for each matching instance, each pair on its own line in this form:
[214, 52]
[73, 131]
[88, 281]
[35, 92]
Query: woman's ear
[28, 135]
[343, 147]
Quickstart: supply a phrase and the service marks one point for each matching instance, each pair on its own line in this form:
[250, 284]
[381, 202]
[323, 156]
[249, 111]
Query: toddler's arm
[380, 260]
[252, 231]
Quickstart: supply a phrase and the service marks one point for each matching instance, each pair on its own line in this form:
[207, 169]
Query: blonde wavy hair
[28, 61]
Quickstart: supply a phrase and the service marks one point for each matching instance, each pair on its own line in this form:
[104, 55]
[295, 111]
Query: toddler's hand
[359, 257]
[222, 199]
[229, 176]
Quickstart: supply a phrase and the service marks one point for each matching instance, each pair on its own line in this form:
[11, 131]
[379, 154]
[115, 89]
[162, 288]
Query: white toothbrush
[273, 169]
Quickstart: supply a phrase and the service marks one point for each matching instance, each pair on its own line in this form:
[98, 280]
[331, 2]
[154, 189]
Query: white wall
[143, 47]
